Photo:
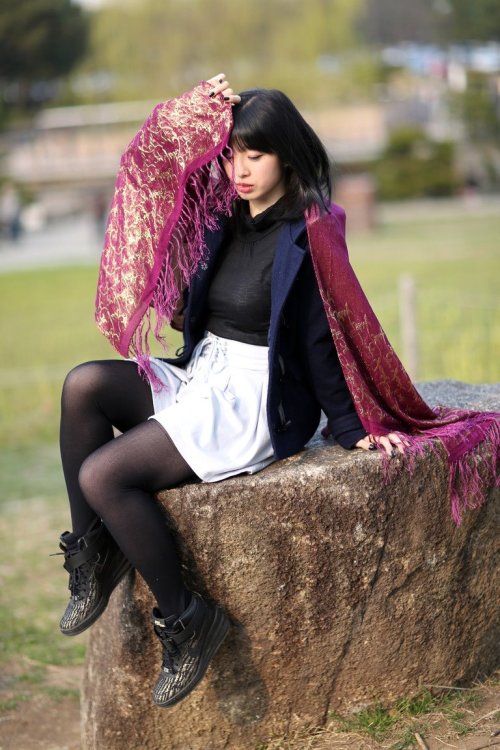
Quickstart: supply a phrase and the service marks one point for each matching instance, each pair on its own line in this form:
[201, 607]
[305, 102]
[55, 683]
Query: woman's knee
[96, 481]
[106, 474]
[79, 382]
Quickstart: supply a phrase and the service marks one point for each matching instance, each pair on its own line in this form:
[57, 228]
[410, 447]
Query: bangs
[253, 124]
[248, 139]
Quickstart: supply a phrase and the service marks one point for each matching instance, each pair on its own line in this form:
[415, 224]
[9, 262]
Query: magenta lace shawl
[169, 189]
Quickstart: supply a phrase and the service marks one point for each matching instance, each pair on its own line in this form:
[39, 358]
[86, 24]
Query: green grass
[445, 715]
[34, 584]
[46, 328]
[397, 724]
[456, 267]
[57, 694]
[47, 324]
[374, 722]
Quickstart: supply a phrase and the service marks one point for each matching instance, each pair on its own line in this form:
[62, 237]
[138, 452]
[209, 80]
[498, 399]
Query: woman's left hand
[391, 443]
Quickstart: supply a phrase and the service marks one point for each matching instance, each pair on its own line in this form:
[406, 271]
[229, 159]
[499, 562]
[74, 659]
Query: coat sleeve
[321, 363]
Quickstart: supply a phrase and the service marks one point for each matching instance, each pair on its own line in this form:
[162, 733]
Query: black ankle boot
[95, 565]
[189, 644]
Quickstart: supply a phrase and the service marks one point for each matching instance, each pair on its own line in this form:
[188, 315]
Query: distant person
[221, 221]
[99, 212]
[10, 211]
[471, 190]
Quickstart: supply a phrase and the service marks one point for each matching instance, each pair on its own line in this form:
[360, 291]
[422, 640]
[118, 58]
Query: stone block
[342, 589]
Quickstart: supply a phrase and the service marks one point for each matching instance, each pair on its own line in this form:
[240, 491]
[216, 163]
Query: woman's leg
[96, 396]
[118, 481]
[113, 479]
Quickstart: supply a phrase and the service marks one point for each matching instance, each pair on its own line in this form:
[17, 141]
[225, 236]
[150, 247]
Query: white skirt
[215, 410]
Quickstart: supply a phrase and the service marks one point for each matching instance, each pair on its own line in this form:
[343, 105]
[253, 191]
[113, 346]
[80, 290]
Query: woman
[258, 364]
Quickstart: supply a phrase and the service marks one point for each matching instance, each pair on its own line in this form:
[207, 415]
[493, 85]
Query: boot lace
[170, 651]
[79, 580]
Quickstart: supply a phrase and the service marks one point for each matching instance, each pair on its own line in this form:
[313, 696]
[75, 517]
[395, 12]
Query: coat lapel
[287, 262]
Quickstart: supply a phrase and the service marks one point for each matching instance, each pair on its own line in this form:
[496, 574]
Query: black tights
[114, 478]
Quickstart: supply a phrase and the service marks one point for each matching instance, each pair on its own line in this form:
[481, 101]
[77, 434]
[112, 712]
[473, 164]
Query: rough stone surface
[341, 588]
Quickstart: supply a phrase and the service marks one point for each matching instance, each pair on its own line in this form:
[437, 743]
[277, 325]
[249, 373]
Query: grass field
[456, 267]
[47, 327]
[47, 315]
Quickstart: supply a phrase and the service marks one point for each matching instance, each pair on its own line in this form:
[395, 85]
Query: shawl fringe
[206, 196]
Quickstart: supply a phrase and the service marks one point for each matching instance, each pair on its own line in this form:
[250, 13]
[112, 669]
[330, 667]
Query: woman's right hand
[392, 443]
[221, 86]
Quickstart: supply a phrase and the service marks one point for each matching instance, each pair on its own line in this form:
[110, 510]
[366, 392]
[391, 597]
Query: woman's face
[258, 178]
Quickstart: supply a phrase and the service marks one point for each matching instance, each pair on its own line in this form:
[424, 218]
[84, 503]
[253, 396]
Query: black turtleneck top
[239, 297]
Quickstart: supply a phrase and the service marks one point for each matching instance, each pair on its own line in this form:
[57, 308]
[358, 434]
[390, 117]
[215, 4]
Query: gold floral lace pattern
[382, 391]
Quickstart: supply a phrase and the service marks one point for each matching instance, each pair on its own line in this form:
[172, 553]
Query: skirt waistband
[215, 350]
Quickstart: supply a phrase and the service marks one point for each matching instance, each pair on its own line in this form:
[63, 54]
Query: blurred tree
[154, 48]
[479, 108]
[40, 40]
[474, 21]
[414, 166]
[393, 21]
[479, 104]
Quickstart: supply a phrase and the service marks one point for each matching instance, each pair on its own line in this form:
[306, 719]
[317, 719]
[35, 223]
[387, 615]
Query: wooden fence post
[408, 324]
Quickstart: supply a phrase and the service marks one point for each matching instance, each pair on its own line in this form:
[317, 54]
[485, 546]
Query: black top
[239, 297]
[239, 308]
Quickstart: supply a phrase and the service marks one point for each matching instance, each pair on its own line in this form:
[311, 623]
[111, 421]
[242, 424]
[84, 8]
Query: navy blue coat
[305, 375]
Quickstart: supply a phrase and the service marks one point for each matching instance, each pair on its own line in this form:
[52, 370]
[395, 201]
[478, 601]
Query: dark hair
[266, 120]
